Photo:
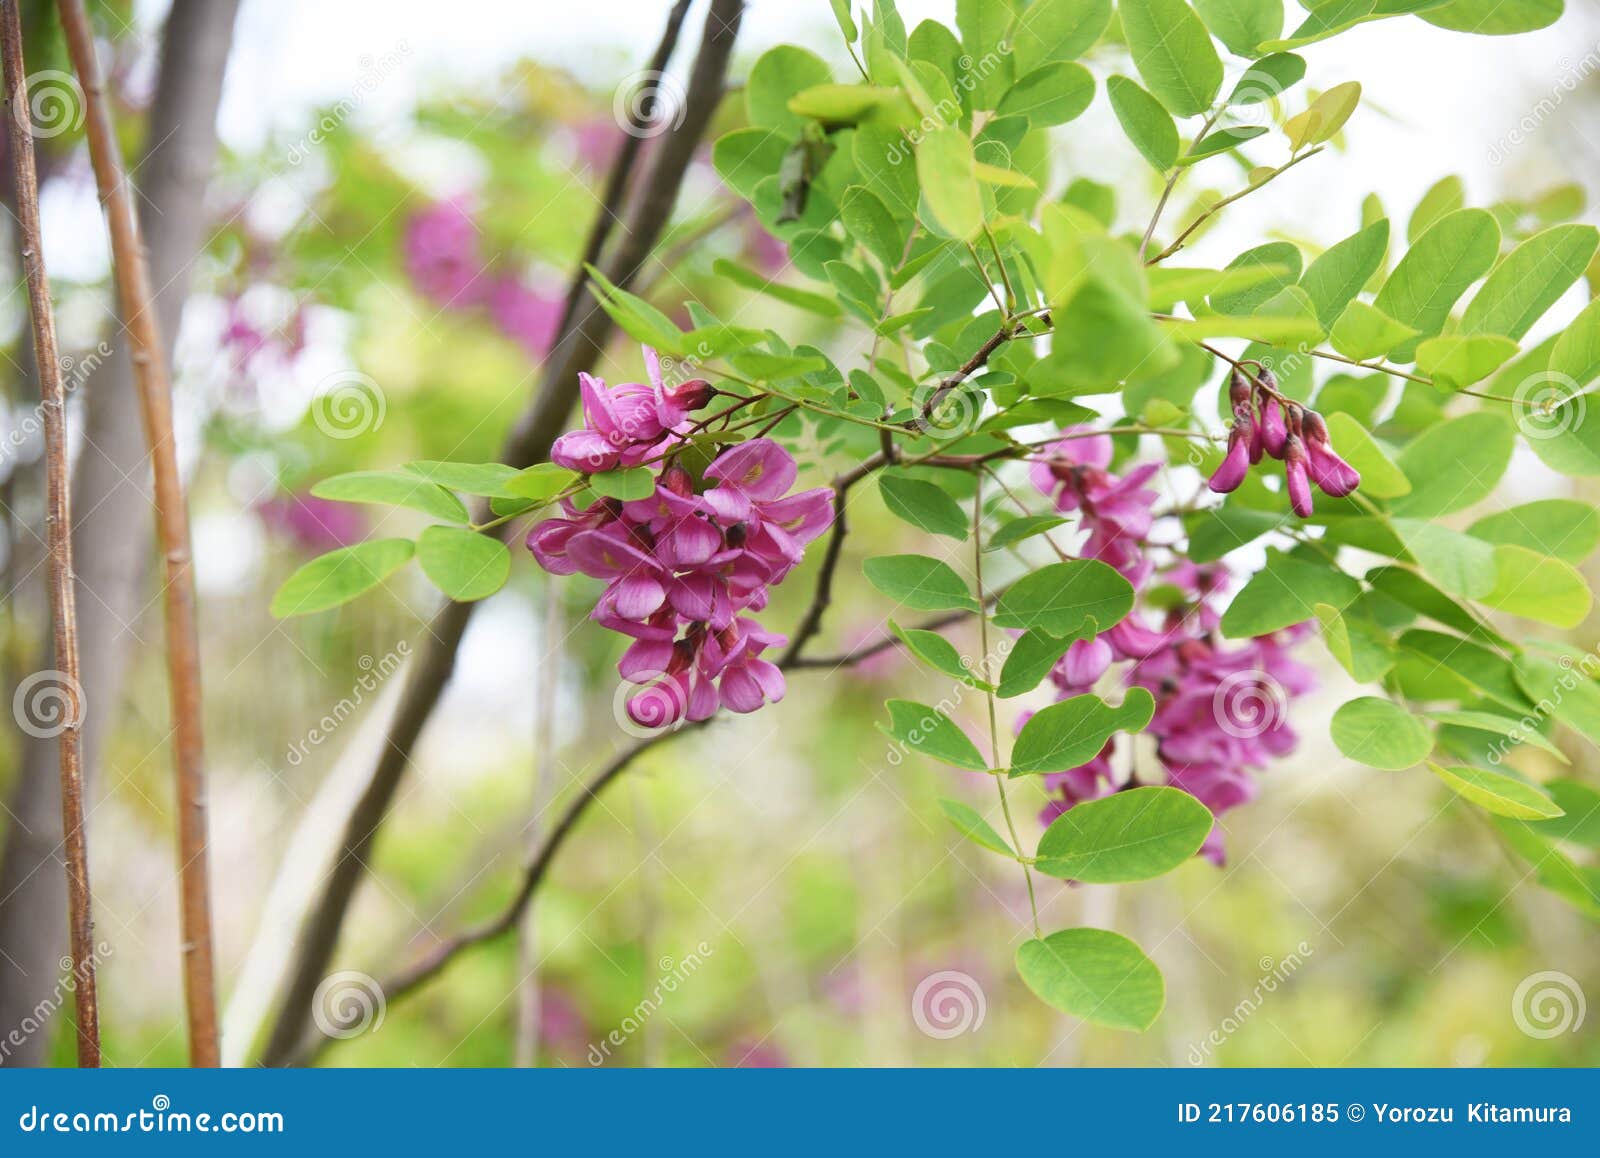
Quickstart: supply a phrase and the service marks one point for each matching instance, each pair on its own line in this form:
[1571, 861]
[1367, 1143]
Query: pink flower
[442, 254]
[524, 314]
[1296, 473]
[628, 424]
[1236, 463]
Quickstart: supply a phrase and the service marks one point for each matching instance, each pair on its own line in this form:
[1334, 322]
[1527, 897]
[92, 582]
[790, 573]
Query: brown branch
[577, 349]
[139, 319]
[58, 522]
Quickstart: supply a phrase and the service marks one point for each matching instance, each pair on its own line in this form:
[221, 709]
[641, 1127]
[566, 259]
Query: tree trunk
[113, 536]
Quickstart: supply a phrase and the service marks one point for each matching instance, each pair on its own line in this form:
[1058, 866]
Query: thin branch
[1173, 178]
[1229, 200]
[58, 525]
[578, 348]
[139, 319]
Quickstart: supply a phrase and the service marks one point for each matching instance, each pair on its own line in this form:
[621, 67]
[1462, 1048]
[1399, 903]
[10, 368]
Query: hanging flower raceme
[684, 566]
[1266, 424]
[1221, 710]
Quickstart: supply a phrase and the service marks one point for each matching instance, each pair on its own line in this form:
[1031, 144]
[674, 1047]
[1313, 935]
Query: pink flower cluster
[629, 424]
[445, 261]
[684, 567]
[1264, 423]
[1220, 711]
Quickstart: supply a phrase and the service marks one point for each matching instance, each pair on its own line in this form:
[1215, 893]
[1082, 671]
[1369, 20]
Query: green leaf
[1452, 254]
[1458, 563]
[1566, 689]
[919, 582]
[938, 653]
[929, 731]
[1474, 667]
[1455, 464]
[1364, 331]
[1562, 528]
[1380, 734]
[627, 485]
[1094, 974]
[1493, 17]
[1334, 279]
[1147, 125]
[1173, 52]
[766, 368]
[1324, 117]
[1052, 94]
[869, 221]
[1359, 646]
[1133, 835]
[340, 576]
[923, 505]
[1380, 477]
[779, 74]
[1536, 586]
[841, 104]
[1284, 593]
[394, 489]
[1030, 659]
[974, 827]
[469, 478]
[944, 169]
[636, 317]
[1063, 598]
[1530, 280]
[815, 303]
[1022, 528]
[1497, 793]
[541, 482]
[1461, 360]
[1243, 25]
[1581, 804]
[983, 25]
[745, 157]
[1445, 196]
[464, 564]
[847, 26]
[1221, 141]
[1511, 729]
[1067, 734]
[1057, 30]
